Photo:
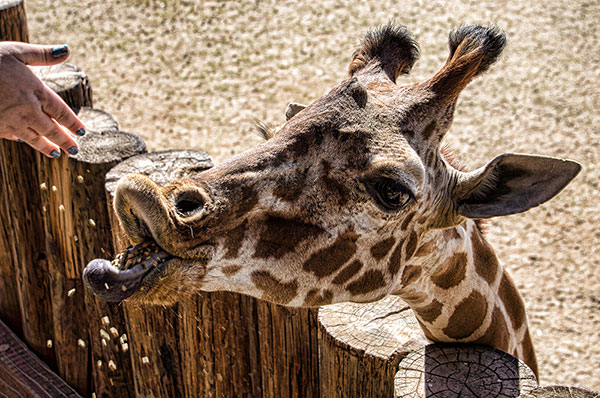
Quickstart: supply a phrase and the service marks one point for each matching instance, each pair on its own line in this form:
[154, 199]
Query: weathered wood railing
[56, 215]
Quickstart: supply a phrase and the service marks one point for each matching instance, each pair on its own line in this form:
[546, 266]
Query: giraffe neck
[460, 293]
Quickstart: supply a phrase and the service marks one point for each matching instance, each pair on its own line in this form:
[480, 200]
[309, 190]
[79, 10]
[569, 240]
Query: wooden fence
[56, 215]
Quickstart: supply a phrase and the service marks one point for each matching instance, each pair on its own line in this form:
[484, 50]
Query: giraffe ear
[512, 183]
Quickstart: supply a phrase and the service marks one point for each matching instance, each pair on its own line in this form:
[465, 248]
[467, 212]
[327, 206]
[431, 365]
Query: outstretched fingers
[54, 107]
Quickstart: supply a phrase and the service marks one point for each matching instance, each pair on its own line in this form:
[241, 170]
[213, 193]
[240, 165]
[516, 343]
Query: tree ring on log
[108, 146]
[96, 120]
[561, 392]
[161, 167]
[462, 370]
[68, 81]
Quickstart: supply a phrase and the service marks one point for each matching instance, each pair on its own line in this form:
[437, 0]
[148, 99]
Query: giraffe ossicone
[350, 200]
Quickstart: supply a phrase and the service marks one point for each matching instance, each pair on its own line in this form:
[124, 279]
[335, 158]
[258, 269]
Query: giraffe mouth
[116, 280]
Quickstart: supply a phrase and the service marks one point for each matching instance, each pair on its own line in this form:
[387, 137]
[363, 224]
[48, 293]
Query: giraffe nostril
[188, 203]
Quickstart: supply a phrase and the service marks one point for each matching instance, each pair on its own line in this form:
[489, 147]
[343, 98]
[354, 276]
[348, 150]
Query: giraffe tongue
[117, 280]
[112, 284]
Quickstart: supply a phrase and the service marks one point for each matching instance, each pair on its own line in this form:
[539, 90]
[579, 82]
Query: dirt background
[186, 74]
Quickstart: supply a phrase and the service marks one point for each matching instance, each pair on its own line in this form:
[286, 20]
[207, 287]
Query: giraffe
[351, 199]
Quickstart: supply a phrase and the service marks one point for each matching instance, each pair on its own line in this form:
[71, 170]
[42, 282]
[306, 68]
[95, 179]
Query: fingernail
[73, 150]
[80, 131]
[55, 154]
[20, 141]
[59, 51]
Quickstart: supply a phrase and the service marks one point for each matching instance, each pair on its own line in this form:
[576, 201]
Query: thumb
[35, 54]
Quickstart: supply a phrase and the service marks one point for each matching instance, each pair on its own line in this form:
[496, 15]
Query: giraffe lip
[117, 280]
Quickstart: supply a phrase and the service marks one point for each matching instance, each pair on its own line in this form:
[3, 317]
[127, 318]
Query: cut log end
[162, 167]
[561, 392]
[462, 370]
[68, 81]
[96, 120]
[108, 146]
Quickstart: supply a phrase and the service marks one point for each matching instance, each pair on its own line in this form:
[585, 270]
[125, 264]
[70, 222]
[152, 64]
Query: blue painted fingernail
[20, 141]
[60, 51]
[55, 154]
[73, 150]
[80, 132]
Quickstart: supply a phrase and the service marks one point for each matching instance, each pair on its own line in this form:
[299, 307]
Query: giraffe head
[330, 207]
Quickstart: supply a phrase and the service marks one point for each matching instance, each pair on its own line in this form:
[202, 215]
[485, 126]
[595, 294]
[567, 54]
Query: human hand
[29, 110]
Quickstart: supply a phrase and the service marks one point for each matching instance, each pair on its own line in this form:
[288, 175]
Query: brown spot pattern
[347, 272]
[512, 301]
[231, 269]
[410, 274]
[425, 249]
[369, 281]
[234, 240]
[497, 334]
[395, 260]
[430, 312]
[428, 131]
[326, 261]
[316, 299]
[467, 317]
[274, 290]
[451, 272]
[529, 353]
[289, 188]
[338, 189]
[411, 245]
[486, 263]
[381, 248]
[406, 221]
[282, 236]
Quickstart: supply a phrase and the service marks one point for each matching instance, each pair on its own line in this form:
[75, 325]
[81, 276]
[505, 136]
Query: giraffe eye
[389, 194]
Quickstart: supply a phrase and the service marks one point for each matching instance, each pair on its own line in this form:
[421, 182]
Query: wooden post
[361, 345]
[455, 370]
[156, 338]
[13, 21]
[13, 27]
[68, 81]
[76, 229]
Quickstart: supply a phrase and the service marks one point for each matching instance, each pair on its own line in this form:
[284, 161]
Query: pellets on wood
[93, 395]
[81, 343]
[71, 292]
[61, 208]
[145, 360]
[92, 222]
[104, 343]
[123, 338]
[49, 343]
[125, 347]
[76, 238]
[99, 364]
[106, 286]
[114, 332]
[54, 189]
[80, 179]
[111, 365]
[105, 320]
[123, 287]
[43, 186]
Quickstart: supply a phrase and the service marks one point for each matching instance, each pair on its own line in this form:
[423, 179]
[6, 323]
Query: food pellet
[104, 334]
[71, 292]
[49, 343]
[99, 363]
[114, 332]
[54, 189]
[93, 395]
[124, 337]
[80, 179]
[43, 186]
[92, 222]
[61, 208]
[123, 288]
[81, 343]
[76, 238]
[105, 320]
[125, 347]
[106, 286]
[104, 343]
[111, 365]
[145, 360]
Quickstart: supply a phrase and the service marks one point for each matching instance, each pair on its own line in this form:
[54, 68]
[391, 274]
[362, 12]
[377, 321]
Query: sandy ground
[185, 74]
